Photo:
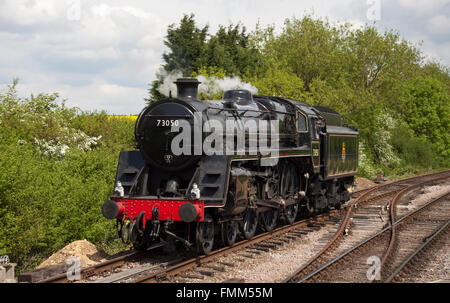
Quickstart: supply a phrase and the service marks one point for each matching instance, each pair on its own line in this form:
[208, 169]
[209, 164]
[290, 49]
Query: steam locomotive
[206, 173]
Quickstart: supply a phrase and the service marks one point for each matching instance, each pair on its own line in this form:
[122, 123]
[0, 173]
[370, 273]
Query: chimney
[187, 88]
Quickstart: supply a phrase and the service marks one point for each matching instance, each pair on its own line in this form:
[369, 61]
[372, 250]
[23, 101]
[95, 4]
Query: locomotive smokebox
[187, 88]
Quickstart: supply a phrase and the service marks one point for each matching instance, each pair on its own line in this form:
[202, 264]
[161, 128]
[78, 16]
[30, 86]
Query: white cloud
[436, 52]
[29, 12]
[423, 6]
[439, 24]
[96, 96]
[105, 96]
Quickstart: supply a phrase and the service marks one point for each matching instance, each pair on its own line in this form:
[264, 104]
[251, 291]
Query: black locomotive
[252, 176]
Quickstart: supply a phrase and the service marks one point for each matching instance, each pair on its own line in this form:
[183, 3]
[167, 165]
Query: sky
[101, 55]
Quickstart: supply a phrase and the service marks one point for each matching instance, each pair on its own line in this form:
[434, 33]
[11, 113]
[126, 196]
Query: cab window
[301, 122]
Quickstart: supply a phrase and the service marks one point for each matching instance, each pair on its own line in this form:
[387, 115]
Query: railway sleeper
[254, 251]
[215, 267]
[262, 245]
[226, 264]
[205, 272]
[192, 276]
[265, 249]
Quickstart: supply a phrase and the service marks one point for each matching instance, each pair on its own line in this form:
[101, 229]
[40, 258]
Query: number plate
[167, 123]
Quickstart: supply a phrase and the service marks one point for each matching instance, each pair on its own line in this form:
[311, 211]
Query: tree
[186, 45]
[306, 47]
[427, 111]
[154, 93]
[278, 83]
[230, 49]
[364, 74]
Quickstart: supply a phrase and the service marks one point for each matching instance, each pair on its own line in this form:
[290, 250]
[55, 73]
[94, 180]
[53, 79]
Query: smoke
[167, 80]
[210, 87]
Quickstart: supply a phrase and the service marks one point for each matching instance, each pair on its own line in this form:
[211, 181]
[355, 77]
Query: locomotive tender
[202, 198]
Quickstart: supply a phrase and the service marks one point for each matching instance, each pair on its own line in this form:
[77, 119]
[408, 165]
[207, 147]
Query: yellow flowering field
[132, 118]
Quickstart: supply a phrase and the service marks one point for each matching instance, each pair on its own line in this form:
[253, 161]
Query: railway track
[352, 264]
[105, 272]
[263, 242]
[97, 269]
[205, 265]
[259, 244]
[404, 267]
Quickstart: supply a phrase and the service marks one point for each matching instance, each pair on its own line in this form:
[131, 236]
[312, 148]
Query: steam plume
[212, 86]
[209, 87]
[167, 85]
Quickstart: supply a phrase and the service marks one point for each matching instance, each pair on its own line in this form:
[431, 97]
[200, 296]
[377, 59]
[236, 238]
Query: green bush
[412, 150]
[57, 167]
